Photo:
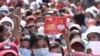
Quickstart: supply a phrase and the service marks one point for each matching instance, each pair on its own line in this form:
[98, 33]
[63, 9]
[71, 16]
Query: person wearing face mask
[3, 33]
[24, 47]
[26, 33]
[93, 36]
[39, 45]
[8, 22]
[56, 49]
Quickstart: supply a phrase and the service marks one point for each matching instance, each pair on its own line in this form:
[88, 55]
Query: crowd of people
[22, 31]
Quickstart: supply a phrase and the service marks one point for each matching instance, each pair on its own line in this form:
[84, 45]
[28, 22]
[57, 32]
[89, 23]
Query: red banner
[54, 24]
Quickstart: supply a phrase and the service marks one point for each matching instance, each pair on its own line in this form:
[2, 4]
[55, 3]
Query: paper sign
[95, 47]
[84, 55]
[76, 54]
[54, 24]
[55, 54]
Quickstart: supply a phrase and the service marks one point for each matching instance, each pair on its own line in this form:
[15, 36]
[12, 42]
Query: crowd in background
[22, 27]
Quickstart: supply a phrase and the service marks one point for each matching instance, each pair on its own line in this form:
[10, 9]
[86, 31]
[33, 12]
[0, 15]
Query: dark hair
[24, 29]
[79, 19]
[62, 10]
[74, 28]
[72, 34]
[58, 40]
[25, 39]
[89, 14]
[35, 38]
[1, 34]
[1, 28]
[28, 13]
[98, 34]
[30, 27]
[19, 4]
[56, 45]
[46, 1]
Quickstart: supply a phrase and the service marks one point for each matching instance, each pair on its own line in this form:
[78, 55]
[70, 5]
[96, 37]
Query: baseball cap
[7, 19]
[8, 47]
[77, 40]
[76, 26]
[92, 29]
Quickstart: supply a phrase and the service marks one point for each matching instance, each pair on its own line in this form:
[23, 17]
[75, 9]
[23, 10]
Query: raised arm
[66, 34]
[17, 19]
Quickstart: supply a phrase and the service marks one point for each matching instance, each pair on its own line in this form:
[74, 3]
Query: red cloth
[17, 40]
[58, 6]
[65, 50]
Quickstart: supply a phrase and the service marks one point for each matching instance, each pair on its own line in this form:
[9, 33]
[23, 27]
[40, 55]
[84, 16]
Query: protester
[24, 47]
[3, 33]
[8, 49]
[33, 24]
[7, 22]
[55, 48]
[26, 33]
[39, 45]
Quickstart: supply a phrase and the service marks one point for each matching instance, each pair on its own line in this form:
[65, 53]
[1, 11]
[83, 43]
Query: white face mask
[9, 28]
[25, 52]
[54, 54]
[41, 52]
[27, 36]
